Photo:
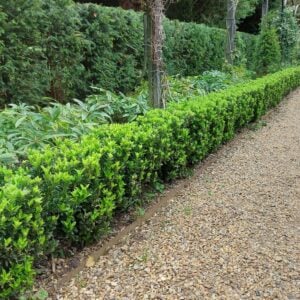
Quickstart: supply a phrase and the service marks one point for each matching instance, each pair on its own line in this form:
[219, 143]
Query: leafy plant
[22, 236]
[22, 61]
[119, 108]
[25, 127]
[268, 54]
[287, 30]
[184, 88]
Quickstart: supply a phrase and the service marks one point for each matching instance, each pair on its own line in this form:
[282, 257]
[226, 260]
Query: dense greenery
[22, 235]
[67, 194]
[287, 29]
[191, 48]
[66, 168]
[268, 57]
[278, 42]
[60, 49]
[25, 127]
[23, 67]
[212, 12]
[42, 53]
[209, 11]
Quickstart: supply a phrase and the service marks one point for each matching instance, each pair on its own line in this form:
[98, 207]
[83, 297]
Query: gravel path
[233, 233]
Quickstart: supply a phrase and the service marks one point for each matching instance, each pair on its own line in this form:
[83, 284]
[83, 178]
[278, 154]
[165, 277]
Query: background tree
[288, 31]
[268, 54]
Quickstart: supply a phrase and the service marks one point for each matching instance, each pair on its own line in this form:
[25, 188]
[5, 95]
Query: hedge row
[67, 195]
[115, 59]
[57, 48]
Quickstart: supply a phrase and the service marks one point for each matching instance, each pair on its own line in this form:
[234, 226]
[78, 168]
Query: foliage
[116, 38]
[119, 108]
[77, 186]
[42, 51]
[268, 54]
[59, 49]
[22, 236]
[114, 58]
[296, 51]
[288, 32]
[287, 29]
[63, 46]
[212, 12]
[192, 48]
[25, 127]
[2, 20]
[184, 88]
[23, 66]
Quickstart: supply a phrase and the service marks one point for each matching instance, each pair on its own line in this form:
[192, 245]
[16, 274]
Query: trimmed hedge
[68, 194]
[73, 46]
[22, 235]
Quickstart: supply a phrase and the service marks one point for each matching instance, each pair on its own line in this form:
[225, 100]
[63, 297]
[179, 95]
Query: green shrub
[296, 51]
[84, 183]
[24, 75]
[192, 48]
[22, 237]
[268, 55]
[114, 59]
[81, 186]
[63, 46]
[42, 53]
[287, 29]
[114, 56]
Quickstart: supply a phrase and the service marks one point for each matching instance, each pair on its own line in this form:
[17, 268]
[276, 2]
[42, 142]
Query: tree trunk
[147, 44]
[231, 30]
[265, 8]
[283, 4]
[153, 38]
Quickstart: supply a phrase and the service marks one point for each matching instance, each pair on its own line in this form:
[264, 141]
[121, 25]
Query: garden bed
[68, 194]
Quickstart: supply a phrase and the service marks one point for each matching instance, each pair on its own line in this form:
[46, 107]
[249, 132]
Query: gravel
[232, 233]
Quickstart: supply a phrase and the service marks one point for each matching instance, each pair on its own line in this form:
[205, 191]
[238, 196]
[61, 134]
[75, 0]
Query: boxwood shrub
[67, 194]
[22, 235]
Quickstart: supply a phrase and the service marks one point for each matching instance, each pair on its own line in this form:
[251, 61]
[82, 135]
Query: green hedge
[59, 49]
[68, 194]
[191, 48]
[114, 58]
[42, 51]
[22, 235]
